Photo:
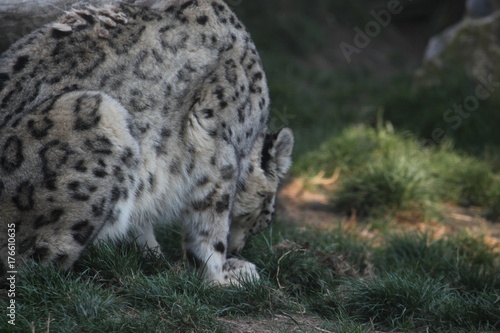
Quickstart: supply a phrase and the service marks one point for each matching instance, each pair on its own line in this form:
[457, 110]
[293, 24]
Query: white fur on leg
[145, 238]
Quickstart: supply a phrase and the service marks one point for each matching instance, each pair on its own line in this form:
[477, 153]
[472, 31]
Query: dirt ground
[279, 323]
[309, 208]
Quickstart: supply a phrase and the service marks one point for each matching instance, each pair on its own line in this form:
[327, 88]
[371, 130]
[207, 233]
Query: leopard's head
[254, 205]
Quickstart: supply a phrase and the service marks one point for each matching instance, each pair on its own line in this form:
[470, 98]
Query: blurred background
[398, 100]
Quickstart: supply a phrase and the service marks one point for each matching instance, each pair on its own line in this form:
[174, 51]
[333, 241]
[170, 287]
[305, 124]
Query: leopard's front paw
[235, 271]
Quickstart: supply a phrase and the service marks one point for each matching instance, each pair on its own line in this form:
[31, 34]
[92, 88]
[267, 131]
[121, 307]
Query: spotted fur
[112, 118]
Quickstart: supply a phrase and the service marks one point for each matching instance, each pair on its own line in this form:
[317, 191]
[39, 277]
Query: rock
[19, 17]
[479, 8]
[472, 45]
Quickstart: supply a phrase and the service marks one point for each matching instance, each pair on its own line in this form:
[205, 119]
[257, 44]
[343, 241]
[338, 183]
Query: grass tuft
[464, 262]
[395, 300]
[383, 172]
[493, 201]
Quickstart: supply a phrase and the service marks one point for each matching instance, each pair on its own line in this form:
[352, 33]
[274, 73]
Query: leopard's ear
[277, 153]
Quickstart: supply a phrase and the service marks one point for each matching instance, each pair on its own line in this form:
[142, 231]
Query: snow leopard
[115, 118]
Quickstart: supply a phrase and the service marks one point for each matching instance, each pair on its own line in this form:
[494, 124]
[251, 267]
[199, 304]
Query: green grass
[383, 171]
[410, 282]
[466, 263]
[493, 204]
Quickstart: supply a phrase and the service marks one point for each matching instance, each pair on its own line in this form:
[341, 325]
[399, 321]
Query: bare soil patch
[278, 323]
[306, 207]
